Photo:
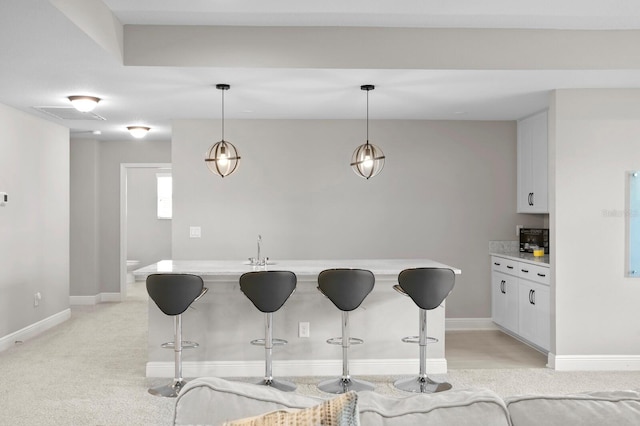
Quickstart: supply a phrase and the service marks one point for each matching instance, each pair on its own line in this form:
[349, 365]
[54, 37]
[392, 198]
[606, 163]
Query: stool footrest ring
[185, 345]
[416, 339]
[276, 342]
[338, 341]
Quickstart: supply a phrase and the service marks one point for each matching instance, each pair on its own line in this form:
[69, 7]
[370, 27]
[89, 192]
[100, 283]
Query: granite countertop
[523, 257]
[235, 268]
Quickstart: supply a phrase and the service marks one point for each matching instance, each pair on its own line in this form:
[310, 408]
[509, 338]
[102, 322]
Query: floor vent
[69, 113]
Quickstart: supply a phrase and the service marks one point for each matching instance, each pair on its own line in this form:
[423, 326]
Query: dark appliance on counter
[531, 238]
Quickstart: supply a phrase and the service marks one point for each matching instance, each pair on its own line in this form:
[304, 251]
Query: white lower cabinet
[520, 300]
[504, 301]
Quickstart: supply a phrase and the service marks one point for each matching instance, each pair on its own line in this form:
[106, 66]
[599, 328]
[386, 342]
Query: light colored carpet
[91, 371]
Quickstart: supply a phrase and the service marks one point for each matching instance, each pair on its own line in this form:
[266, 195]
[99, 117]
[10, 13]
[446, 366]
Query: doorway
[145, 233]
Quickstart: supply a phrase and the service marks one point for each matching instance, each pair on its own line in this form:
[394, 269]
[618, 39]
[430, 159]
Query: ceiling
[44, 58]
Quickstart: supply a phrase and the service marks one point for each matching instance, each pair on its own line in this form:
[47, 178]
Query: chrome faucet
[258, 259]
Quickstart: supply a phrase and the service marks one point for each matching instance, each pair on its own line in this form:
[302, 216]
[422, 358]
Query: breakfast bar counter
[224, 321]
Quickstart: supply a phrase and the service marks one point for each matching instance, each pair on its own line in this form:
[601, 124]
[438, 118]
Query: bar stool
[268, 291]
[347, 289]
[428, 287]
[174, 294]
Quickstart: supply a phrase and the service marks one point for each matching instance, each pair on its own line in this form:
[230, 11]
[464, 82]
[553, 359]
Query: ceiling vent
[69, 113]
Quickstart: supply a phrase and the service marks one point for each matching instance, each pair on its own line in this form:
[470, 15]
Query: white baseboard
[296, 368]
[594, 362]
[94, 300]
[33, 330]
[451, 324]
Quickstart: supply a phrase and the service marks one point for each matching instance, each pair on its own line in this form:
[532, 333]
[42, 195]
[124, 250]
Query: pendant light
[222, 158]
[367, 160]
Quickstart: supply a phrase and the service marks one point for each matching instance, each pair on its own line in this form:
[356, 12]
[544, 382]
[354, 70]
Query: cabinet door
[497, 298]
[526, 311]
[532, 196]
[504, 298]
[524, 165]
[542, 299]
[533, 313]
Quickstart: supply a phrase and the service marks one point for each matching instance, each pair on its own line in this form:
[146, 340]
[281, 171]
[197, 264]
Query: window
[165, 195]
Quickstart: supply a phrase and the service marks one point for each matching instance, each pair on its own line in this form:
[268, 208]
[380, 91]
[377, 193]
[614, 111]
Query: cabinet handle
[541, 275]
[533, 297]
[502, 286]
[496, 263]
[509, 267]
[532, 202]
[530, 301]
[526, 271]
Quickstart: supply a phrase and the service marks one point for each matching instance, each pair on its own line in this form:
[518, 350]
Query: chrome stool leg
[422, 383]
[268, 380]
[171, 390]
[345, 383]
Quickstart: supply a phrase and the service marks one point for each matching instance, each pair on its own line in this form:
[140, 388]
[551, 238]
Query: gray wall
[447, 189]
[84, 255]
[594, 142]
[148, 238]
[104, 195]
[34, 225]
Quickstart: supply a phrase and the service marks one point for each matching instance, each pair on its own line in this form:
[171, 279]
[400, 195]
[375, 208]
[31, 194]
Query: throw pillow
[340, 411]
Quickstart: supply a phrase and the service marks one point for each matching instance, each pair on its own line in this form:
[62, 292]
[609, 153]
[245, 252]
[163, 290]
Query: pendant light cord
[223, 115]
[367, 117]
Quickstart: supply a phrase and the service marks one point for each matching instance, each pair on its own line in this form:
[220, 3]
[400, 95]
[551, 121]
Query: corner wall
[98, 195]
[594, 144]
[34, 225]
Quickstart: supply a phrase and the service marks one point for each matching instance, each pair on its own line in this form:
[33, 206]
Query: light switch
[194, 232]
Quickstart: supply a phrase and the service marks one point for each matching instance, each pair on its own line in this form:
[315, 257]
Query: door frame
[124, 169]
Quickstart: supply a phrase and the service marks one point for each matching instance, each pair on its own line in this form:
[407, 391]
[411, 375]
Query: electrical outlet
[36, 299]
[304, 329]
[195, 232]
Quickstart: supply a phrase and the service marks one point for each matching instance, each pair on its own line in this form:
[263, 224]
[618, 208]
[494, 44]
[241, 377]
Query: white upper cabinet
[532, 164]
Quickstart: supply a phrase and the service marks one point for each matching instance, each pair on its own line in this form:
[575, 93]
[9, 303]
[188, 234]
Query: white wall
[34, 225]
[148, 238]
[103, 194]
[447, 189]
[594, 142]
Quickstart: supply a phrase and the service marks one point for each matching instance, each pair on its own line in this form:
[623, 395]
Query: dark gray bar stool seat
[347, 289]
[268, 291]
[428, 288]
[174, 294]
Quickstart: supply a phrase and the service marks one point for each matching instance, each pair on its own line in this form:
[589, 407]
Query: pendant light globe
[222, 158]
[367, 160]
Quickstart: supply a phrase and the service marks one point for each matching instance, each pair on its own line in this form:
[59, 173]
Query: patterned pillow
[340, 411]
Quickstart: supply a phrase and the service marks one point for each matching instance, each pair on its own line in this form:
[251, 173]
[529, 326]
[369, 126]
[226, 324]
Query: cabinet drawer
[539, 274]
[503, 265]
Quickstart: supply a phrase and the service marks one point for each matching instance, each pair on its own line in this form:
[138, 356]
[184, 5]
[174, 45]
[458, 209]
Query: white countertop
[523, 257]
[235, 268]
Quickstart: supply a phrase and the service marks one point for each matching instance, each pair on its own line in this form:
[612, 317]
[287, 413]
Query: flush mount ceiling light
[84, 103]
[222, 158]
[367, 160]
[138, 131]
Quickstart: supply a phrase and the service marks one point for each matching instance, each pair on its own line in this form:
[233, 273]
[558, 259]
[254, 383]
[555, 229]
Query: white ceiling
[44, 58]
